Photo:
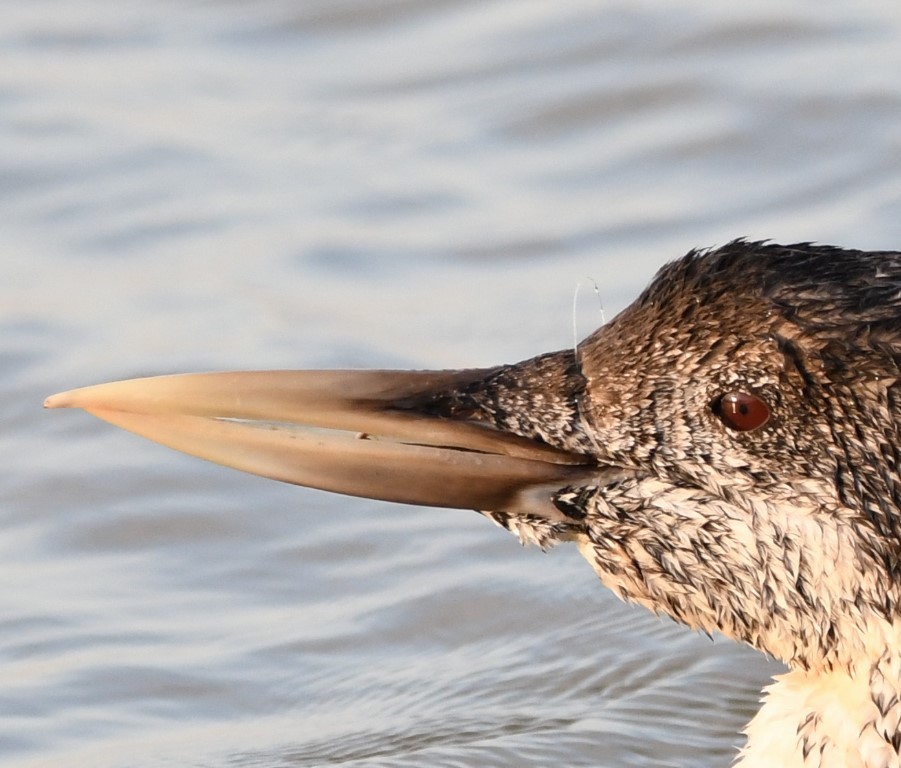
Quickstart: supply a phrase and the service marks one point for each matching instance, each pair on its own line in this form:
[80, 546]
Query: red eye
[741, 411]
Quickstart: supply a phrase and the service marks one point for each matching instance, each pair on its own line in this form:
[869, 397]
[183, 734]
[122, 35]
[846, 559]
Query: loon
[725, 451]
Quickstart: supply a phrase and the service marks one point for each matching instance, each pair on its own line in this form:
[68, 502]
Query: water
[188, 186]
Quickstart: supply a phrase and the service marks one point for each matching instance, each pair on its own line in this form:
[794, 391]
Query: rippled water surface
[391, 183]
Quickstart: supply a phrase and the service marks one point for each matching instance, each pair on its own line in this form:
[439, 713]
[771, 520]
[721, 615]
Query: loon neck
[843, 717]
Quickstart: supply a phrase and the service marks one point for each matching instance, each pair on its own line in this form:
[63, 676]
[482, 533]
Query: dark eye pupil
[741, 411]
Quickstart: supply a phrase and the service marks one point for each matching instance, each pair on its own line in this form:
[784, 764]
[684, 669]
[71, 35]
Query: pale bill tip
[59, 400]
[68, 399]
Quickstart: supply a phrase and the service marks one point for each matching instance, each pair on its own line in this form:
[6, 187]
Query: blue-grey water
[372, 183]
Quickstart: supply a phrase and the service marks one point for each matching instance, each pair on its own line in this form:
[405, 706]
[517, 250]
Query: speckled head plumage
[770, 518]
[784, 533]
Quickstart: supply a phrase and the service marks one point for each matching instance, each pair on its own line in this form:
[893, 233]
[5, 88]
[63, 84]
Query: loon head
[725, 451]
[752, 391]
